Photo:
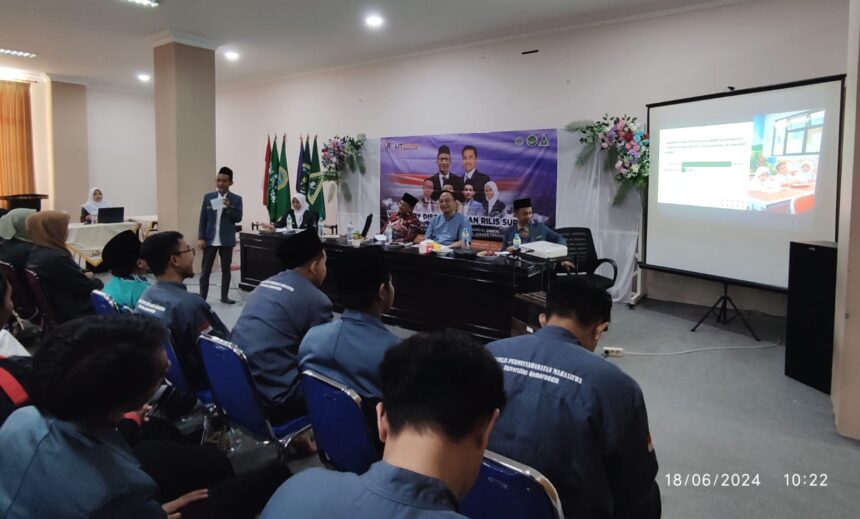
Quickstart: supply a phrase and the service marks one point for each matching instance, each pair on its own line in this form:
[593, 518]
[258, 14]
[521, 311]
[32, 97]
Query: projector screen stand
[722, 314]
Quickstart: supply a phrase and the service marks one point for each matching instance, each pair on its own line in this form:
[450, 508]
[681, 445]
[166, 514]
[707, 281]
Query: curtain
[16, 139]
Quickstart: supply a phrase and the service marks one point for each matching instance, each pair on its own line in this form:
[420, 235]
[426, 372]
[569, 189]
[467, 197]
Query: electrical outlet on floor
[613, 352]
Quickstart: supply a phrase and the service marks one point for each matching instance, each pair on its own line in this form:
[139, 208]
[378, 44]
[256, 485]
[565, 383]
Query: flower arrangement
[626, 144]
[342, 153]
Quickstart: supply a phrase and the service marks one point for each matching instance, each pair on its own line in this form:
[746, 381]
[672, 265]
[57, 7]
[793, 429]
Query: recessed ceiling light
[144, 78]
[17, 53]
[374, 21]
[231, 55]
[147, 3]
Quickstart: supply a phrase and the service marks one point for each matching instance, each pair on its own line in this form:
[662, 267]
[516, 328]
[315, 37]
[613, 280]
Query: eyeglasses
[189, 249]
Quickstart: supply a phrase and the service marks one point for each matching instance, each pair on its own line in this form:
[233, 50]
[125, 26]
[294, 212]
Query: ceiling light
[17, 53]
[231, 55]
[144, 78]
[147, 3]
[374, 21]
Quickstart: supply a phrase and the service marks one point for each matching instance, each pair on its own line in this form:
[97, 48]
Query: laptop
[111, 215]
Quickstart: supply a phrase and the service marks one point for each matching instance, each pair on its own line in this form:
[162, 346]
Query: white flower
[634, 168]
[632, 127]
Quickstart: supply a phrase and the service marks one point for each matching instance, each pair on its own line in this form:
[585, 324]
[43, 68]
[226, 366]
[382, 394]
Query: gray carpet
[731, 411]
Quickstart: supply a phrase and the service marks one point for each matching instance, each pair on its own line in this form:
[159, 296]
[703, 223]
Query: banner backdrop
[507, 166]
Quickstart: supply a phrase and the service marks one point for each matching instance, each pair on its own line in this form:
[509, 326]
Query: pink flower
[618, 165]
[621, 124]
[604, 145]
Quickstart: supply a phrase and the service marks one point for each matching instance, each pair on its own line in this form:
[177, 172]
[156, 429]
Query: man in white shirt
[216, 233]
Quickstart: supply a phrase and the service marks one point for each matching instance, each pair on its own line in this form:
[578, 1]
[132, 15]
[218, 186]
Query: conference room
[488, 174]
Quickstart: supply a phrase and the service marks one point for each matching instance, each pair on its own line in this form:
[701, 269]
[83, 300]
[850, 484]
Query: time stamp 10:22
[725, 479]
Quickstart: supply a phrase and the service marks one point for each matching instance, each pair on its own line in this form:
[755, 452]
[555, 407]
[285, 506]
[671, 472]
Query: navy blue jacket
[580, 421]
[230, 216]
[383, 491]
[537, 232]
[276, 317]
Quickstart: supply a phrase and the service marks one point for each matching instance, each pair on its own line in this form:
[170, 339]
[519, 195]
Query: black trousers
[226, 256]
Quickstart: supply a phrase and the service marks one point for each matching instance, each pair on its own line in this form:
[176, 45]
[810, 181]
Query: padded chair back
[506, 488]
[367, 222]
[802, 204]
[580, 247]
[24, 306]
[49, 317]
[104, 304]
[174, 374]
[342, 435]
[233, 386]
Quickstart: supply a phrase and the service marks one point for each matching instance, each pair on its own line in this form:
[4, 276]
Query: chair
[506, 488]
[177, 378]
[49, 317]
[367, 222]
[24, 306]
[341, 433]
[104, 304]
[580, 249]
[234, 392]
[802, 204]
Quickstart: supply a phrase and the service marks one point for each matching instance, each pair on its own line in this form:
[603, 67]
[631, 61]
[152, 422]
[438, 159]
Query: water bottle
[467, 240]
[517, 241]
[349, 230]
[388, 234]
[321, 227]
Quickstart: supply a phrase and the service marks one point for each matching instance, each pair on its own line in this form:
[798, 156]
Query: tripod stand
[722, 314]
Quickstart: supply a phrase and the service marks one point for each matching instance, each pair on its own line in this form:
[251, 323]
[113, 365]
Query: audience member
[276, 317]
[574, 417]
[66, 286]
[216, 232]
[16, 245]
[15, 375]
[64, 457]
[186, 315]
[9, 345]
[442, 394]
[351, 349]
[122, 256]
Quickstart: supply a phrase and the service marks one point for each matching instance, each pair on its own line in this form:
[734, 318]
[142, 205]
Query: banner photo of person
[485, 171]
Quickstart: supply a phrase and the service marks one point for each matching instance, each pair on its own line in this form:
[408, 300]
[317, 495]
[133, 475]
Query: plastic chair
[177, 378]
[24, 306]
[580, 249]
[104, 304]
[506, 488]
[49, 317]
[340, 430]
[235, 393]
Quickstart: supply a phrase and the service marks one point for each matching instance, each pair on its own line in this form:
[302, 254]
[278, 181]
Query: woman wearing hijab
[13, 229]
[66, 286]
[122, 256]
[90, 210]
[495, 207]
[299, 217]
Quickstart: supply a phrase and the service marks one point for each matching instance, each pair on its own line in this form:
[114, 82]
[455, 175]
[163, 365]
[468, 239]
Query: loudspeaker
[809, 319]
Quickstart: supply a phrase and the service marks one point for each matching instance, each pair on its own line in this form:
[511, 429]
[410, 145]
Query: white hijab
[92, 207]
[300, 214]
[492, 201]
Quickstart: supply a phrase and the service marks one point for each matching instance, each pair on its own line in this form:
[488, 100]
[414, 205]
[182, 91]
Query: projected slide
[767, 164]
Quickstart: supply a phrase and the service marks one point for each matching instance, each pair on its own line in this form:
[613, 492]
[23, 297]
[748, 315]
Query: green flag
[306, 164]
[283, 199]
[274, 182]
[316, 200]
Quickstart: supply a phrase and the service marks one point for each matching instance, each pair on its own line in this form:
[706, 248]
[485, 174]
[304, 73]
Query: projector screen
[736, 177]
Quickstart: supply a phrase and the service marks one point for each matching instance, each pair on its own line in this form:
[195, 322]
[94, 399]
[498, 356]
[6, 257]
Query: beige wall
[70, 159]
[845, 388]
[184, 134]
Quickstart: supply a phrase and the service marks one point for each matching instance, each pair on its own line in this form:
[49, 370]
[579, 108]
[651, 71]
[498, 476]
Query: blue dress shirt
[580, 421]
[349, 351]
[383, 491]
[276, 317]
[447, 230]
[58, 469]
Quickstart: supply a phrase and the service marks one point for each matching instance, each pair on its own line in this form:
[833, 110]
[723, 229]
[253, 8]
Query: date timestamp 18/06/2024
[812, 480]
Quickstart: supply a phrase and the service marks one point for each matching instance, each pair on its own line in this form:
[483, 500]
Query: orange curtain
[16, 139]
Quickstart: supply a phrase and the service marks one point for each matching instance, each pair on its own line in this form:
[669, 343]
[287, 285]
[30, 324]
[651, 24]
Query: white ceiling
[108, 42]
